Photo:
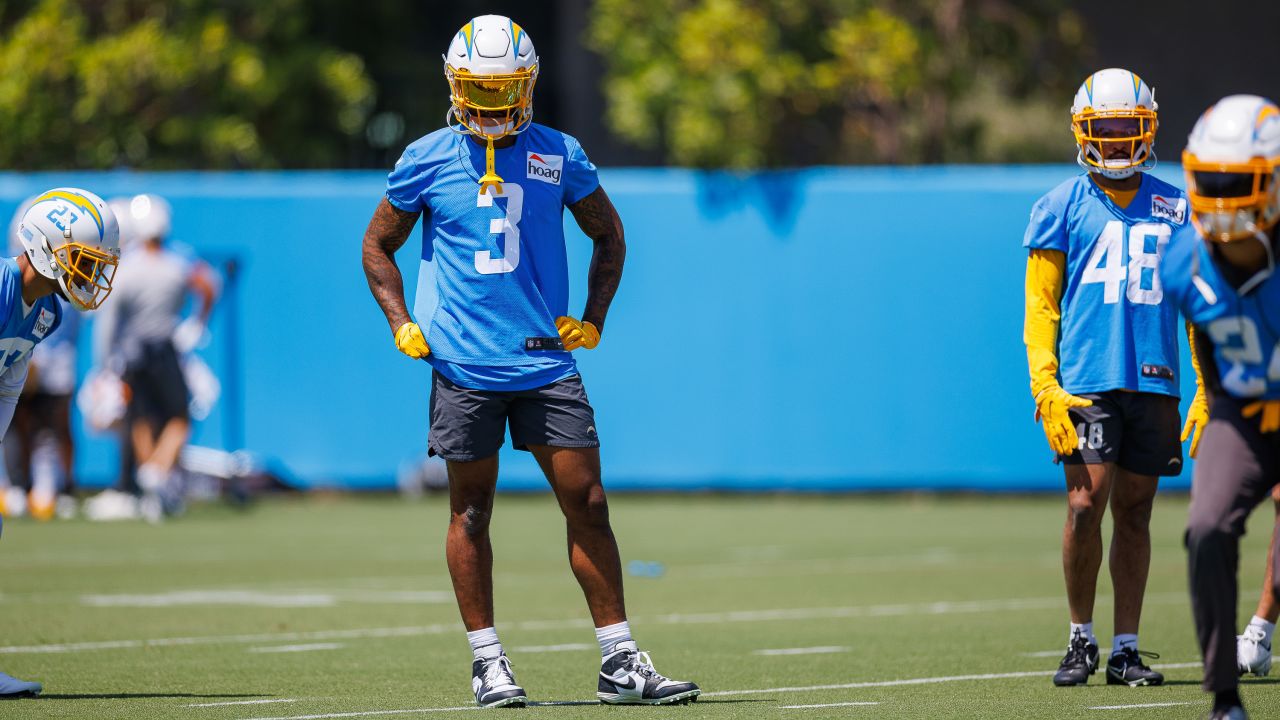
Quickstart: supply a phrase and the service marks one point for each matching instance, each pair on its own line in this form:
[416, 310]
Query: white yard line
[297, 648]
[1142, 705]
[820, 650]
[241, 702]
[712, 618]
[370, 713]
[566, 647]
[826, 705]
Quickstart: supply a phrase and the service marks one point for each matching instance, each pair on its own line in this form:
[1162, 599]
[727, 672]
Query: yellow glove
[1270, 411]
[409, 340]
[577, 334]
[1197, 418]
[1051, 410]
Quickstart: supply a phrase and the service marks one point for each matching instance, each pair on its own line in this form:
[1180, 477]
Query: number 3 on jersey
[508, 226]
[1107, 265]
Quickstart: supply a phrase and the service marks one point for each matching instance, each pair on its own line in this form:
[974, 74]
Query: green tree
[751, 83]
[186, 83]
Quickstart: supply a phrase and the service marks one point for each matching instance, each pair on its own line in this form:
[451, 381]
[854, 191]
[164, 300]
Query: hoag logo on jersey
[44, 323]
[1172, 209]
[546, 168]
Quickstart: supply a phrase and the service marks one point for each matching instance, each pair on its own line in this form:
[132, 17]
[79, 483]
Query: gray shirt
[148, 294]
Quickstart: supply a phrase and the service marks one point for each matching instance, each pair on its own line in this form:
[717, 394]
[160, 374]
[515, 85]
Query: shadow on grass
[558, 703]
[135, 696]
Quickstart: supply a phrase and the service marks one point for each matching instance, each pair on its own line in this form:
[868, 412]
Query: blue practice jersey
[19, 331]
[494, 272]
[1244, 329]
[1117, 330]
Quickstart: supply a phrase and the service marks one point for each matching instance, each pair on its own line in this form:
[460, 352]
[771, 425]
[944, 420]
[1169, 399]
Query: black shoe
[1126, 668]
[627, 677]
[495, 685]
[1080, 662]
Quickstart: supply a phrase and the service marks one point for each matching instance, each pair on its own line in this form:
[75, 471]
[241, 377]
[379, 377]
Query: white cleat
[627, 677]
[1253, 652]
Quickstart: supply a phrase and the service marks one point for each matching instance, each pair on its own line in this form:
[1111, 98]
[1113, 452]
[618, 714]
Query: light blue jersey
[20, 331]
[1117, 330]
[494, 271]
[1244, 328]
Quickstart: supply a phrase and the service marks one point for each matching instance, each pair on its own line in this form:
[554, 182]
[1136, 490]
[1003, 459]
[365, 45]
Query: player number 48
[1106, 264]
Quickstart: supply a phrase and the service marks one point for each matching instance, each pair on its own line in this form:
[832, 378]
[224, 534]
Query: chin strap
[490, 179]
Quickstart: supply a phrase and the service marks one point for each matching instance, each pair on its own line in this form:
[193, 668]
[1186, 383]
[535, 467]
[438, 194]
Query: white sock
[611, 635]
[1085, 629]
[1123, 641]
[1267, 627]
[485, 644]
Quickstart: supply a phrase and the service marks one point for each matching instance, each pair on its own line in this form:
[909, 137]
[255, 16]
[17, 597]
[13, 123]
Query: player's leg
[1228, 483]
[1088, 487]
[1132, 498]
[1253, 646]
[556, 423]
[574, 474]
[60, 422]
[467, 429]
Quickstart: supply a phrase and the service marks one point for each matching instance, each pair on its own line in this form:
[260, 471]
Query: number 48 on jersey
[1107, 263]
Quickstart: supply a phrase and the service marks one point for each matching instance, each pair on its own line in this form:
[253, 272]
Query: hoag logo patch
[44, 323]
[546, 168]
[1171, 209]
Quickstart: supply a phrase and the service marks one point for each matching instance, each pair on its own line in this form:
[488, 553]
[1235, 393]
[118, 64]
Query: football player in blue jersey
[71, 247]
[1223, 279]
[1101, 346]
[493, 291]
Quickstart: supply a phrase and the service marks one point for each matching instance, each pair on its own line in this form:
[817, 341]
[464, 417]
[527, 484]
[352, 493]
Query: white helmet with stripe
[1232, 163]
[1114, 122]
[71, 236]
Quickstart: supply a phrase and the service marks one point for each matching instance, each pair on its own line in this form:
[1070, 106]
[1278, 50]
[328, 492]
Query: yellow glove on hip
[1051, 409]
[409, 340]
[575, 334]
[1270, 411]
[1197, 418]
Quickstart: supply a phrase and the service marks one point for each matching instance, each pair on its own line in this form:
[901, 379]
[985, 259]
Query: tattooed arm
[599, 220]
[387, 232]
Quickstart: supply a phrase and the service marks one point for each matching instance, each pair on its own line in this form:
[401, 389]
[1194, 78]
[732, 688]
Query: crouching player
[71, 246]
[1224, 282]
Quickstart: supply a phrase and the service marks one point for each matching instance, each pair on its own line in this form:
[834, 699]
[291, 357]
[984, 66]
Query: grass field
[341, 607]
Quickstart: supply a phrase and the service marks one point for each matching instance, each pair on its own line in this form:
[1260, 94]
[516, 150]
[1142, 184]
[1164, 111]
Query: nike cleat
[12, 687]
[495, 685]
[1253, 652]
[1080, 662]
[627, 677]
[1126, 668]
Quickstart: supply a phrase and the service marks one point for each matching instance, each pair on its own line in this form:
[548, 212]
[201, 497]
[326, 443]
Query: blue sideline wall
[823, 329]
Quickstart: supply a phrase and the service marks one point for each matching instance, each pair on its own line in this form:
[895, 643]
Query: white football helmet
[491, 67]
[72, 237]
[1115, 106]
[1232, 162]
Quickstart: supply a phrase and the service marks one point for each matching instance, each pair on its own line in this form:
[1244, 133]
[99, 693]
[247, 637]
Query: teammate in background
[138, 338]
[71, 248]
[1224, 281]
[1094, 303]
[492, 186]
[1253, 646]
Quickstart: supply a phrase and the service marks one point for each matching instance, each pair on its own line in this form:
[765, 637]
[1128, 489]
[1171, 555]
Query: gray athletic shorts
[1140, 432]
[469, 424]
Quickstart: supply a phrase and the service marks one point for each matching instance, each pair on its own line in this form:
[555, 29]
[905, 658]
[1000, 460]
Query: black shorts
[1140, 432]
[469, 424]
[157, 387]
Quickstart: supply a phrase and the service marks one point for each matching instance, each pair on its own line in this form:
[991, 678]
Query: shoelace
[1135, 656]
[1254, 634]
[643, 664]
[1077, 651]
[498, 672]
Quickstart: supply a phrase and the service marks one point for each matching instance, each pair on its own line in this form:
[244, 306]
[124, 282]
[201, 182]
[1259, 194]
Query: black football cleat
[1080, 662]
[1126, 668]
